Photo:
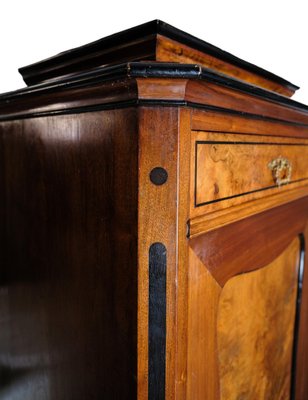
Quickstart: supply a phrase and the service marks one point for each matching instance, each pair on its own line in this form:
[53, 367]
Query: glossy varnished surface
[68, 270]
[172, 50]
[203, 298]
[230, 167]
[230, 156]
[255, 330]
[171, 83]
[227, 255]
[230, 251]
[80, 212]
[157, 210]
[156, 41]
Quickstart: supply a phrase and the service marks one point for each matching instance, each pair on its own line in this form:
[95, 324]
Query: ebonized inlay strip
[157, 321]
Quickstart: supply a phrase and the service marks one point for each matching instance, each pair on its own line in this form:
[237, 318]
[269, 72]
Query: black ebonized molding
[148, 69]
[198, 142]
[297, 314]
[157, 321]
[149, 29]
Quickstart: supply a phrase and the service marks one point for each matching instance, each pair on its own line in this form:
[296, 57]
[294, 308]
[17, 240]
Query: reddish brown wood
[205, 120]
[234, 251]
[156, 41]
[219, 96]
[202, 357]
[80, 211]
[256, 329]
[182, 255]
[251, 243]
[69, 280]
[157, 223]
[229, 167]
[55, 99]
[171, 50]
[59, 97]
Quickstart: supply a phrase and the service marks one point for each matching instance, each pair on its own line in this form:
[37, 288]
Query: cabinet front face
[247, 291]
[255, 330]
[243, 329]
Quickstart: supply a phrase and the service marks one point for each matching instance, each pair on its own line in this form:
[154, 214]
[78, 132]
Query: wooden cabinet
[154, 210]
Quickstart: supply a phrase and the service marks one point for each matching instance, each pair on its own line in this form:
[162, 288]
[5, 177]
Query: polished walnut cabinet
[154, 214]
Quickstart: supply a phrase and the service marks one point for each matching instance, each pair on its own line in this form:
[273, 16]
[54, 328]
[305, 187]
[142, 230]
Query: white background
[271, 34]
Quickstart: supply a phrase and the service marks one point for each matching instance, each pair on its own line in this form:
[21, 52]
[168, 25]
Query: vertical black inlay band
[297, 314]
[157, 321]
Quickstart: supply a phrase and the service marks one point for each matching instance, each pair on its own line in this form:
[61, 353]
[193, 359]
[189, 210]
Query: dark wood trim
[157, 321]
[154, 70]
[137, 43]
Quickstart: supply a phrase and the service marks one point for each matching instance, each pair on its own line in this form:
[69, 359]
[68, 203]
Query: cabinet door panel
[255, 330]
[246, 336]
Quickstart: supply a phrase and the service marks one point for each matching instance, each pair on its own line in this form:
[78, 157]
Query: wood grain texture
[182, 254]
[57, 99]
[174, 51]
[221, 96]
[175, 84]
[69, 277]
[229, 167]
[202, 361]
[79, 214]
[231, 178]
[163, 211]
[255, 330]
[156, 88]
[215, 259]
[210, 221]
[154, 40]
[228, 122]
[157, 222]
[236, 248]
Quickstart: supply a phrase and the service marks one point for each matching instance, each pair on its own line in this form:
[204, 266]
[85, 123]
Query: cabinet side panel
[69, 280]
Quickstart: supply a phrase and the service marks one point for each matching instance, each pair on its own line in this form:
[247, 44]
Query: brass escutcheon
[281, 169]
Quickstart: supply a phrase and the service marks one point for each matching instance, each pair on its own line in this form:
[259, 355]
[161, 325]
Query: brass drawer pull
[281, 169]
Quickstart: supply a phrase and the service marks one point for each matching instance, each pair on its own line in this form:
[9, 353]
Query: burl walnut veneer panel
[255, 330]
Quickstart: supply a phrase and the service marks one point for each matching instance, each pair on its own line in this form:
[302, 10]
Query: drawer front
[229, 166]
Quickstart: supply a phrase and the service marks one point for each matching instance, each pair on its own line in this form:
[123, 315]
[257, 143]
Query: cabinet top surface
[152, 41]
